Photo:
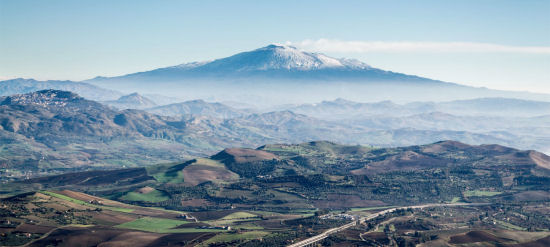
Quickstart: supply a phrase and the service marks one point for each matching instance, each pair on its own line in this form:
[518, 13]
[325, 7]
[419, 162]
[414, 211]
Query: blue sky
[505, 44]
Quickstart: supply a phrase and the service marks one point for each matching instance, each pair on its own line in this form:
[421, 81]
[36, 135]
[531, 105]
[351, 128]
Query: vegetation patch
[149, 224]
[481, 193]
[150, 196]
[230, 237]
[510, 226]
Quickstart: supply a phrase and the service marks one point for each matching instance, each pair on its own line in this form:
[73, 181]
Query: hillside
[277, 190]
[313, 172]
[60, 131]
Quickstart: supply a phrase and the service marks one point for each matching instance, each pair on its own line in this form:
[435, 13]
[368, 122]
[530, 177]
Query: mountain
[511, 122]
[21, 86]
[131, 101]
[198, 107]
[278, 74]
[51, 131]
[268, 60]
[62, 115]
[484, 107]
[339, 109]
[496, 107]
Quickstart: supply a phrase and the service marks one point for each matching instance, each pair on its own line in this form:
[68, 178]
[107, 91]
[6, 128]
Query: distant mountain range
[21, 86]
[53, 130]
[199, 108]
[345, 109]
[131, 101]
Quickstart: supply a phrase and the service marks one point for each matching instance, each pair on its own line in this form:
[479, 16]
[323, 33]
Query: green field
[455, 199]
[510, 226]
[70, 199]
[481, 193]
[161, 225]
[370, 208]
[153, 196]
[167, 173]
[152, 224]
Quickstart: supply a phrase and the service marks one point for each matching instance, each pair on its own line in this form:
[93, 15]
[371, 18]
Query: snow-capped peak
[289, 57]
[275, 57]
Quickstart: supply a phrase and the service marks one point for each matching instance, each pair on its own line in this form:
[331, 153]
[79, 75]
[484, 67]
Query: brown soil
[243, 155]
[534, 195]
[112, 218]
[543, 242]
[33, 228]
[540, 159]
[155, 213]
[444, 146]
[145, 190]
[97, 236]
[196, 174]
[379, 237]
[474, 237]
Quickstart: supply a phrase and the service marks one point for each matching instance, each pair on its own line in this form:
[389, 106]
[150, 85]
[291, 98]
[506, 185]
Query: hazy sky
[497, 44]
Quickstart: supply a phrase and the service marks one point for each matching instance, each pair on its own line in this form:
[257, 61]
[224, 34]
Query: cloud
[327, 45]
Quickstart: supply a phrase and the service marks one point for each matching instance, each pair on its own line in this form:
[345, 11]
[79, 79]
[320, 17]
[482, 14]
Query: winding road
[325, 234]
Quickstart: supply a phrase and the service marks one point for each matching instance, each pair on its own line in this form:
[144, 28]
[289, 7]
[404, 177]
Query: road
[325, 234]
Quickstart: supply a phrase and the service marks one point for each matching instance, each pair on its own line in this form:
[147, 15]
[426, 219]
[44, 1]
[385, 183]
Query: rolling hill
[313, 172]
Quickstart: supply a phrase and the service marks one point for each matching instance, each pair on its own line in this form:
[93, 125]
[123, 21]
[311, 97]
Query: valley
[275, 146]
[279, 194]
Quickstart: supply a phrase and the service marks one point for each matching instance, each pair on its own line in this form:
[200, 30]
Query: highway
[325, 234]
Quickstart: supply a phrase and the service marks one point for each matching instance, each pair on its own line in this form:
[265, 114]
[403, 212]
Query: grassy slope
[153, 196]
[481, 193]
[64, 197]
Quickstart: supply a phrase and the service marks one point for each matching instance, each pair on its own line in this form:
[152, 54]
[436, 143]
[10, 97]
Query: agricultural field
[278, 194]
